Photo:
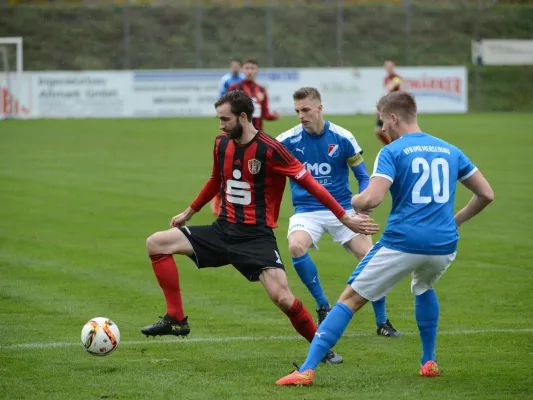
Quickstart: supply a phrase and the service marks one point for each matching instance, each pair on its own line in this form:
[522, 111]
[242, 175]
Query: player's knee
[297, 248]
[153, 245]
[282, 298]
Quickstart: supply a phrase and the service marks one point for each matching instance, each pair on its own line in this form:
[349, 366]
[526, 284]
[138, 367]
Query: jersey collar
[326, 128]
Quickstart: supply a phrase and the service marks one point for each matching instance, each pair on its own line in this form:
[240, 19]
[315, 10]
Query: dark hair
[400, 103]
[250, 61]
[239, 102]
[307, 93]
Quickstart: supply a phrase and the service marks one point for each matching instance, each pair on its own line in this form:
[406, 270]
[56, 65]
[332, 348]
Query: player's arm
[394, 83]
[354, 157]
[289, 166]
[210, 189]
[478, 185]
[358, 167]
[265, 109]
[223, 86]
[380, 183]
[373, 195]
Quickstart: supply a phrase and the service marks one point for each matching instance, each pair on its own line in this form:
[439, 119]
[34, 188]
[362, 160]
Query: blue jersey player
[234, 76]
[420, 240]
[329, 152]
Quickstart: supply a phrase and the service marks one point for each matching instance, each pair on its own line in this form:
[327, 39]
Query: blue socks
[306, 270]
[379, 311]
[328, 335]
[427, 319]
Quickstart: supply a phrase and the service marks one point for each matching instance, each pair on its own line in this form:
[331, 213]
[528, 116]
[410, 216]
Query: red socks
[166, 271]
[302, 320]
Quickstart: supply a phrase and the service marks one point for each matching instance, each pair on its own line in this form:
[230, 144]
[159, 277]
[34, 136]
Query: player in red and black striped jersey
[392, 83]
[249, 171]
[259, 96]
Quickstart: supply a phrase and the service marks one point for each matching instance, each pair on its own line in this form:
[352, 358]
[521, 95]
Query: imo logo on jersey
[254, 165]
[318, 169]
[333, 150]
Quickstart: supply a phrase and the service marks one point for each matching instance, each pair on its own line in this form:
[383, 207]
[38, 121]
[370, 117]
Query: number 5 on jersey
[441, 189]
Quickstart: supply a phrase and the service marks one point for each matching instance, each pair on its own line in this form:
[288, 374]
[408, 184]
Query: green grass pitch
[79, 197]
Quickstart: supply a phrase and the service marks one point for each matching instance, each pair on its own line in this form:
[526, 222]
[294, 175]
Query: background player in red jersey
[249, 170]
[392, 83]
[259, 96]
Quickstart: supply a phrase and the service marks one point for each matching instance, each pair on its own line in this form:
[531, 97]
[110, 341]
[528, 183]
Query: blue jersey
[328, 157]
[228, 80]
[424, 171]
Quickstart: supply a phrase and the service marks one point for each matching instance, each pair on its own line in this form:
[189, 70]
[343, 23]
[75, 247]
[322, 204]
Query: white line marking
[249, 339]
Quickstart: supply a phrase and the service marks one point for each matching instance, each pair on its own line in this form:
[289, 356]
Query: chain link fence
[279, 33]
[165, 34]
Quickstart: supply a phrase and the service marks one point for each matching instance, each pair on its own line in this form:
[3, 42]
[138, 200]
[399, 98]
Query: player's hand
[366, 212]
[276, 114]
[179, 220]
[360, 223]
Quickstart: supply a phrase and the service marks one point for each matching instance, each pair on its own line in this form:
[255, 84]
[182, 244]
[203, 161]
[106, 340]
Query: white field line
[184, 341]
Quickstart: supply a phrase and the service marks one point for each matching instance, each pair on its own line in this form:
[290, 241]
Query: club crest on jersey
[254, 166]
[259, 96]
[333, 150]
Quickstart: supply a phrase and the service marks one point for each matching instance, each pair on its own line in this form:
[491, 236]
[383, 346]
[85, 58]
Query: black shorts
[379, 123]
[249, 248]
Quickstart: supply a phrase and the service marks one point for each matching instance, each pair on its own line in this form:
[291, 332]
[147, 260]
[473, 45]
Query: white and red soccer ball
[100, 336]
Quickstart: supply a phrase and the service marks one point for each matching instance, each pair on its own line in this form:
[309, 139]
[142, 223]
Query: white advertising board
[81, 94]
[503, 52]
[175, 93]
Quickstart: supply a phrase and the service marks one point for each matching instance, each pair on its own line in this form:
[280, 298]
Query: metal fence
[278, 33]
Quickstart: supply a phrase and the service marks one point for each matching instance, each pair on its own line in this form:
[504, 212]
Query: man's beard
[236, 132]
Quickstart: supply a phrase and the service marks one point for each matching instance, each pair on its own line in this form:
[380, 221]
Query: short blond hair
[307, 93]
[400, 103]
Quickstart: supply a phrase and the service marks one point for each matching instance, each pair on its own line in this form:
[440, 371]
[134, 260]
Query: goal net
[11, 79]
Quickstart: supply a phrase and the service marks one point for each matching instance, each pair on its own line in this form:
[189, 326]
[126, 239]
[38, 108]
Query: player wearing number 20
[421, 172]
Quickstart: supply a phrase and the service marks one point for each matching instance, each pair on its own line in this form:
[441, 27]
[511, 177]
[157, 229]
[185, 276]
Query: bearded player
[259, 96]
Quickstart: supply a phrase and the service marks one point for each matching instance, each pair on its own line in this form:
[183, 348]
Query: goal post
[11, 79]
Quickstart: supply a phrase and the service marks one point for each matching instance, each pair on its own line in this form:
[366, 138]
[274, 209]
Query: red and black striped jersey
[259, 96]
[251, 180]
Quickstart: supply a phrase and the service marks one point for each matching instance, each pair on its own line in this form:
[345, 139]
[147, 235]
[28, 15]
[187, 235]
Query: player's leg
[257, 258]
[205, 249]
[383, 137]
[360, 246]
[275, 282]
[427, 308]
[378, 272]
[305, 230]
[161, 246]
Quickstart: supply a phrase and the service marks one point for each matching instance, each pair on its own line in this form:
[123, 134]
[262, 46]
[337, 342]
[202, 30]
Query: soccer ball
[100, 336]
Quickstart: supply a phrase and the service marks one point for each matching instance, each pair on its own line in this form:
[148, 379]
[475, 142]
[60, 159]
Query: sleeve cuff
[468, 175]
[383, 176]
